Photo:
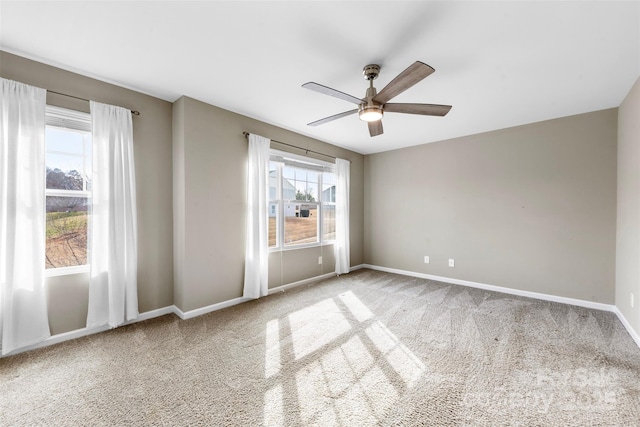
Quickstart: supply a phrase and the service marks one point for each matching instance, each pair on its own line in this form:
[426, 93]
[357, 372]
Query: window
[68, 187]
[301, 201]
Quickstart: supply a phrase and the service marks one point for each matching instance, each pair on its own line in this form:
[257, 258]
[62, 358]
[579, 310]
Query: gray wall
[210, 157]
[67, 295]
[628, 233]
[530, 208]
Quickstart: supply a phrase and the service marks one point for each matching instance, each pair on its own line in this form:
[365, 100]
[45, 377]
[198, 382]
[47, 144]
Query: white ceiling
[499, 64]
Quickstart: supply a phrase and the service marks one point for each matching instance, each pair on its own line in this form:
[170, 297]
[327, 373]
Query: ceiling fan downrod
[370, 111]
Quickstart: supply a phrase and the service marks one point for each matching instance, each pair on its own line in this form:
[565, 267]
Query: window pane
[329, 187]
[312, 192]
[328, 222]
[305, 184]
[66, 231]
[288, 190]
[273, 224]
[301, 174]
[300, 224]
[301, 189]
[288, 172]
[65, 140]
[64, 180]
[273, 181]
[68, 159]
[312, 176]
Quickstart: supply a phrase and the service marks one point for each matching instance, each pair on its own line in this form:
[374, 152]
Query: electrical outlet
[319, 260]
[452, 263]
[632, 300]
[426, 259]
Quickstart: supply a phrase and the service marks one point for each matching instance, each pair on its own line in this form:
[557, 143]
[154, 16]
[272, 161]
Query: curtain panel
[113, 288]
[23, 304]
[256, 269]
[341, 246]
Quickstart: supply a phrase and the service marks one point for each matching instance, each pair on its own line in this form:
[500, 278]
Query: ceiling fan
[371, 108]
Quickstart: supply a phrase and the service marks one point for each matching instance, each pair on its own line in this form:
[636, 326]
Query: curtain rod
[246, 135]
[134, 112]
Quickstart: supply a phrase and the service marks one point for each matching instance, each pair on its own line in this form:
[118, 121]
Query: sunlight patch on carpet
[356, 307]
[346, 361]
[272, 361]
[315, 326]
[273, 414]
[401, 359]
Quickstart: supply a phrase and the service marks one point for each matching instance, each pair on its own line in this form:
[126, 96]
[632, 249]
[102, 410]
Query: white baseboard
[301, 282]
[154, 313]
[627, 325]
[229, 303]
[536, 295]
[529, 294]
[208, 309]
[357, 267]
[83, 332]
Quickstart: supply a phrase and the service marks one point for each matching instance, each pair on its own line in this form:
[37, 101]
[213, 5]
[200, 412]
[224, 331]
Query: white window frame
[74, 121]
[282, 158]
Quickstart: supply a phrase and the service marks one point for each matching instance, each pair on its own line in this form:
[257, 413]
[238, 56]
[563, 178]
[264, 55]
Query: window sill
[63, 271]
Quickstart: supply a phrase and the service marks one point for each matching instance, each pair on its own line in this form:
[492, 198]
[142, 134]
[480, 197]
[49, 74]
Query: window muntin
[299, 214]
[68, 188]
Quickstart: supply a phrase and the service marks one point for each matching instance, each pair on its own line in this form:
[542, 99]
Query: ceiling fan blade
[403, 81]
[423, 109]
[375, 128]
[332, 118]
[332, 92]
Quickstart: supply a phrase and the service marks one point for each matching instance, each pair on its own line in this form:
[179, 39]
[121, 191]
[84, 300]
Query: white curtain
[23, 303]
[341, 246]
[256, 268]
[113, 288]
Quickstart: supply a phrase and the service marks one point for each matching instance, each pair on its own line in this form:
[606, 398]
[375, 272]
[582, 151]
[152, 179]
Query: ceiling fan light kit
[370, 113]
[371, 107]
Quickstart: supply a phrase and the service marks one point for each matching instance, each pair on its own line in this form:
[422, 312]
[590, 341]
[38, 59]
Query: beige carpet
[367, 348]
